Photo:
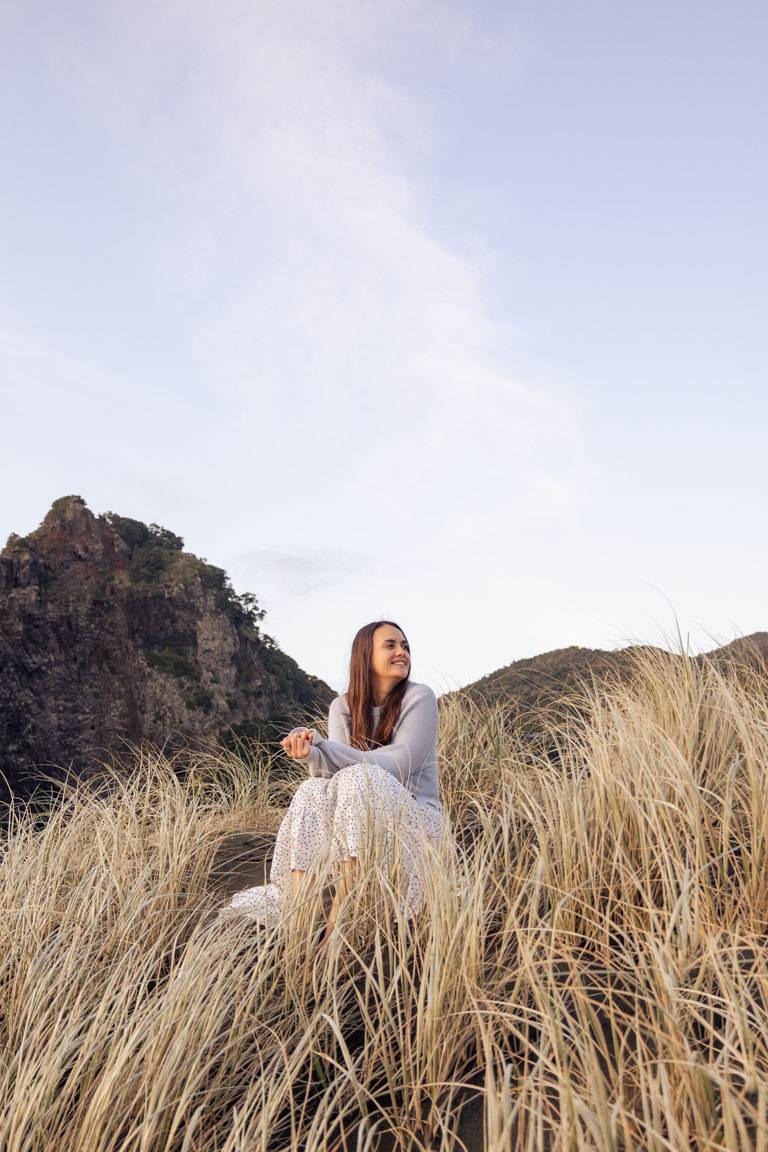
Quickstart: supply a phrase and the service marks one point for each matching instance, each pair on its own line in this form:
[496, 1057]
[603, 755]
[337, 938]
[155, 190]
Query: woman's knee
[312, 786]
[359, 775]
[348, 774]
[364, 787]
[356, 780]
[346, 778]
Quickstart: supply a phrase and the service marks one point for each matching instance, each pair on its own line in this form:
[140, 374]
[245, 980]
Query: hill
[553, 680]
[111, 632]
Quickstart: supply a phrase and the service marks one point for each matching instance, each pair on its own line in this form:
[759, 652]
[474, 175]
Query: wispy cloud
[359, 333]
[285, 575]
[281, 159]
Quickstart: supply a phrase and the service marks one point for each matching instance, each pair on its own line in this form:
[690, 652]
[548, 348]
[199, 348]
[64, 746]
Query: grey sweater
[411, 757]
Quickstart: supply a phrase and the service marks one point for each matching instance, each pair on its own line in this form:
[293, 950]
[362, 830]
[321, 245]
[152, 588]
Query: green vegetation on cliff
[110, 634]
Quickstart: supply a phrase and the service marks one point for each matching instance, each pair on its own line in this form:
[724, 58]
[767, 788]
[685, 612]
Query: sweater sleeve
[317, 763]
[415, 741]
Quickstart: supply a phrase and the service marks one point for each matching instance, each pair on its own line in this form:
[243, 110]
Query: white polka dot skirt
[356, 810]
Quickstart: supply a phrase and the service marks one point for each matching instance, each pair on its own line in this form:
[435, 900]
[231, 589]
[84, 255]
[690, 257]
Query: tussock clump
[589, 971]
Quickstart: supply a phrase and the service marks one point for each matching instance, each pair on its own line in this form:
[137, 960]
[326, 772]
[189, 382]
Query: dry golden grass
[590, 968]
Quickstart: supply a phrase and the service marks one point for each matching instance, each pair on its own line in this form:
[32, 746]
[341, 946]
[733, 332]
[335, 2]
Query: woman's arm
[416, 741]
[317, 763]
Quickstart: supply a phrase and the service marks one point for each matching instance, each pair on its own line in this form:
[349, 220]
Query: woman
[381, 751]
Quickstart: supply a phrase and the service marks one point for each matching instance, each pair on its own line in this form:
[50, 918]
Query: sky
[450, 313]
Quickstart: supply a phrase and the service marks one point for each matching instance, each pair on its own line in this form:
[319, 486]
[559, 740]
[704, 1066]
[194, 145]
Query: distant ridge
[110, 631]
[540, 682]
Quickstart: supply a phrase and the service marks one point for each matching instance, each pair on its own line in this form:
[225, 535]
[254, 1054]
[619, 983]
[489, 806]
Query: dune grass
[589, 972]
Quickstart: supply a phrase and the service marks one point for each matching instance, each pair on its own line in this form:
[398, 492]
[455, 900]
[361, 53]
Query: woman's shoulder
[418, 700]
[417, 691]
[339, 704]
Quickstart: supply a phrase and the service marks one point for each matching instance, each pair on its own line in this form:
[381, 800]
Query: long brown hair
[360, 696]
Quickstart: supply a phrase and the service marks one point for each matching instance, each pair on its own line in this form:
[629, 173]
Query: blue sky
[449, 313]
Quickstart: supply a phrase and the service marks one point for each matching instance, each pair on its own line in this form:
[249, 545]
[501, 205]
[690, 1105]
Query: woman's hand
[297, 744]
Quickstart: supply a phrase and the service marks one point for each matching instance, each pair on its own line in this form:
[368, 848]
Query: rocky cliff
[110, 632]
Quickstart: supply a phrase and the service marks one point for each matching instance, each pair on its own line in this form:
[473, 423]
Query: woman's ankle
[297, 876]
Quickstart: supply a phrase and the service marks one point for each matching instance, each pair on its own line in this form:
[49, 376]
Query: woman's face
[391, 656]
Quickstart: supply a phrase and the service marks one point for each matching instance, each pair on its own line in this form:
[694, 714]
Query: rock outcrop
[112, 635]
